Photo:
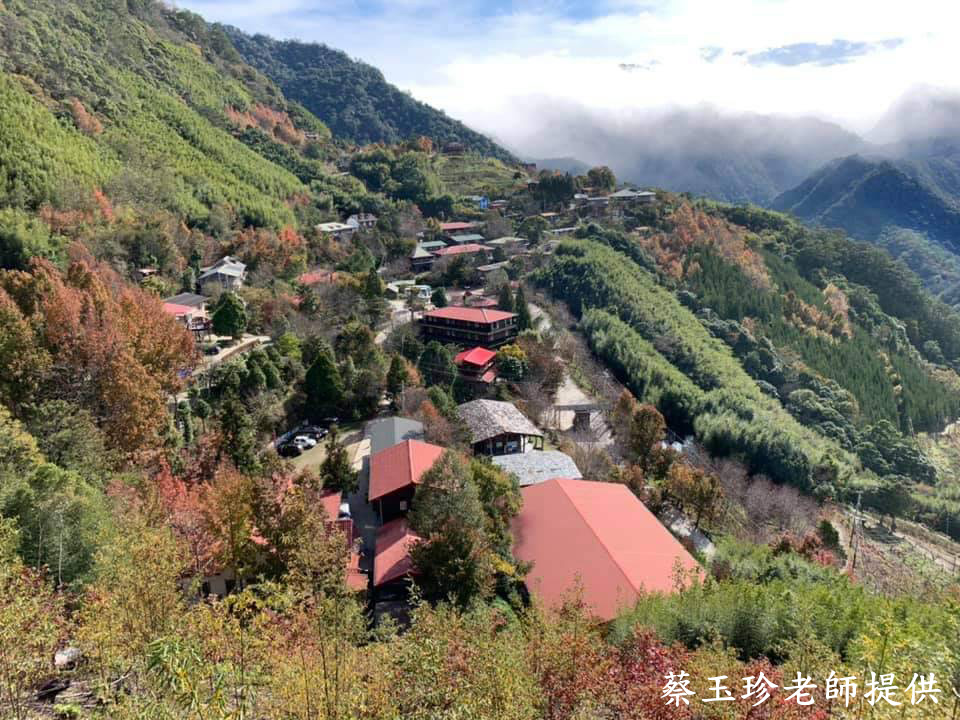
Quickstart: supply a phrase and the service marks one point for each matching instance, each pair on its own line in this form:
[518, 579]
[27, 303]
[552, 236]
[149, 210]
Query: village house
[499, 205]
[395, 472]
[421, 260]
[533, 468]
[480, 202]
[477, 366]
[451, 228]
[467, 249]
[362, 221]
[189, 316]
[507, 241]
[498, 428]
[222, 581]
[338, 230]
[432, 245]
[597, 206]
[599, 536]
[467, 238]
[228, 273]
[469, 326]
[631, 196]
[189, 299]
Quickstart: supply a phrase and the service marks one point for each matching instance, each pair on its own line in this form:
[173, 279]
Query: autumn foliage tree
[111, 349]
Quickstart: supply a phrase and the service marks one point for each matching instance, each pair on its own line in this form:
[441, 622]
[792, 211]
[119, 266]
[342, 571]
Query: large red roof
[400, 466]
[465, 249]
[475, 315]
[600, 533]
[478, 356]
[392, 560]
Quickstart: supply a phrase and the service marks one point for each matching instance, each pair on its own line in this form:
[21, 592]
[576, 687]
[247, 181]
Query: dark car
[289, 450]
[211, 350]
[315, 432]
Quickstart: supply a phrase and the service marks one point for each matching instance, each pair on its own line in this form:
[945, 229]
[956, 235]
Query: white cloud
[486, 68]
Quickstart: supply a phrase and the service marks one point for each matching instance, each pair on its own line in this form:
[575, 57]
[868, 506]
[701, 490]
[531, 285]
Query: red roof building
[396, 471]
[600, 534]
[392, 556]
[465, 249]
[469, 327]
[450, 227]
[477, 365]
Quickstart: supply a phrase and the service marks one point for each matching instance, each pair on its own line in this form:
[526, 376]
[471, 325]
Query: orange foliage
[103, 203]
[85, 122]
[113, 350]
[274, 122]
[694, 227]
[282, 250]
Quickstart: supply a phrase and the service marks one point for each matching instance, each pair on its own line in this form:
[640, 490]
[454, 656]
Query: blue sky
[500, 66]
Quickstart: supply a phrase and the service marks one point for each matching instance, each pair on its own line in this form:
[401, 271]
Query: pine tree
[524, 319]
[505, 300]
[439, 298]
[323, 386]
[239, 439]
[397, 376]
[336, 470]
[230, 316]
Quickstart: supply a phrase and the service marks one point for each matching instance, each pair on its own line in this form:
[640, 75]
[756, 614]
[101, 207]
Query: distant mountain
[908, 206]
[353, 98]
[725, 156]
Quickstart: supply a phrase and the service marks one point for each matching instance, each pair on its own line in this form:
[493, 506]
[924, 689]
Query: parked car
[289, 450]
[210, 349]
[315, 432]
[302, 441]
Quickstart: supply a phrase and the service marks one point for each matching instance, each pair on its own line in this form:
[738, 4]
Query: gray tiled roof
[488, 418]
[387, 432]
[538, 466]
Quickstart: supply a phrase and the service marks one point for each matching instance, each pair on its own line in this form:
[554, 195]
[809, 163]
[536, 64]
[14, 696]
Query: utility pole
[856, 533]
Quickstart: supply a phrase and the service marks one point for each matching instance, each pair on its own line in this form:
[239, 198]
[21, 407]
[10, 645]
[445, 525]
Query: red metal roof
[600, 533]
[475, 315]
[479, 356]
[465, 249]
[400, 466]
[177, 310]
[331, 504]
[392, 559]
[448, 227]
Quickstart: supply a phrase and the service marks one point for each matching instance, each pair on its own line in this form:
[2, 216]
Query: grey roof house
[387, 432]
[537, 467]
[498, 428]
[228, 272]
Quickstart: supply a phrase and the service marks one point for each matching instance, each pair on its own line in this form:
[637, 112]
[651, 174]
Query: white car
[302, 441]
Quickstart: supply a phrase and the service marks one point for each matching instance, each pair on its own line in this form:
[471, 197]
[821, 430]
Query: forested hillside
[813, 357]
[908, 204]
[351, 97]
